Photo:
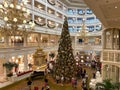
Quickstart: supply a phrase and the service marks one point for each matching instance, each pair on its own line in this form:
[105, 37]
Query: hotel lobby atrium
[62, 41]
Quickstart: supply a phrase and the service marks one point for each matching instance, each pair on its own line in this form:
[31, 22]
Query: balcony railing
[88, 46]
[78, 46]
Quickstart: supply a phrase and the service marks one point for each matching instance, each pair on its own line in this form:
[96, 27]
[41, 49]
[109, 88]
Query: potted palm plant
[9, 66]
[108, 85]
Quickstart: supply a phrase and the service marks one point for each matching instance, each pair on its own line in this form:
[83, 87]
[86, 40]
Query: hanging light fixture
[83, 32]
[15, 16]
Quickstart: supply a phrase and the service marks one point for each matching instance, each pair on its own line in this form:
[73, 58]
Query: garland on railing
[29, 21]
[51, 27]
[37, 23]
[40, 24]
[50, 3]
[43, 24]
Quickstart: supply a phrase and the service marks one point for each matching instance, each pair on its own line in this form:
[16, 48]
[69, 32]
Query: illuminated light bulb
[49, 22]
[57, 24]
[24, 21]
[11, 5]
[28, 11]
[1, 10]
[18, 7]
[20, 26]
[6, 18]
[25, 1]
[1, 6]
[15, 19]
[5, 4]
[39, 19]
[8, 25]
[32, 25]
[5, 12]
[24, 9]
[21, 4]
[26, 26]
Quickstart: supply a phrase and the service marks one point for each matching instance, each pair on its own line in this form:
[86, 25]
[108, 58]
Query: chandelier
[14, 16]
[83, 32]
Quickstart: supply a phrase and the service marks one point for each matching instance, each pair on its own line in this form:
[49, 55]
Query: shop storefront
[20, 61]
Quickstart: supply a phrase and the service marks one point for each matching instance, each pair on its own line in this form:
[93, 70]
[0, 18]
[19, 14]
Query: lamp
[15, 16]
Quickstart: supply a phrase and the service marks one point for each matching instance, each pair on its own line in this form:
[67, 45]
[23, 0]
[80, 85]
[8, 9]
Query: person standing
[57, 79]
[62, 80]
[29, 82]
[73, 83]
[46, 85]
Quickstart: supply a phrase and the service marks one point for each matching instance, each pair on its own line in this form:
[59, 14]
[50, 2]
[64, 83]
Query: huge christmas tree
[65, 63]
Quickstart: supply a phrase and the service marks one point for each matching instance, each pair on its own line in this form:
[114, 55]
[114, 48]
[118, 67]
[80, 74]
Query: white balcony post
[39, 36]
[33, 5]
[25, 40]
[25, 62]
[7, 41]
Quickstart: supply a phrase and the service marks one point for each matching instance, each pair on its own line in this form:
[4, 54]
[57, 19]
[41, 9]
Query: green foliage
[51, 26]
[10, 65]
[9, 74]
[108, 85]
[51, 3]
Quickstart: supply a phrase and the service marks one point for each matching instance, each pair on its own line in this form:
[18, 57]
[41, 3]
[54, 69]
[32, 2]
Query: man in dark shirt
[29, 84]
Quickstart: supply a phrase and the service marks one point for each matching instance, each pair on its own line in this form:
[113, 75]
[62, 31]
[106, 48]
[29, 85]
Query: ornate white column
[102, 71]
[25, 62]
[103, 39]
[49, 43]
[39, 39]
[112, 36]
[33, 5]
[7, 41]
[25, 39]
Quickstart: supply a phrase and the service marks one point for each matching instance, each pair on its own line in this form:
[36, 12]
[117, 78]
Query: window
[88, 11]
[79, 20]
[71, 11]
[81, 11]
[98, 27]
[90, 20]
[90, 28]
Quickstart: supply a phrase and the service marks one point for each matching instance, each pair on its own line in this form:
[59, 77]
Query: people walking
[57, 79]
[62, 80]
[29, 82]
[46, 85]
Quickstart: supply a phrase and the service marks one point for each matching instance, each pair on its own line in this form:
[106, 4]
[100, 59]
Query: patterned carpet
[22, 85]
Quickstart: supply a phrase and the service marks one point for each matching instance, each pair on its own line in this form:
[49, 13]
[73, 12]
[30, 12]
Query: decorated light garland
[50, 3]
[51, 27]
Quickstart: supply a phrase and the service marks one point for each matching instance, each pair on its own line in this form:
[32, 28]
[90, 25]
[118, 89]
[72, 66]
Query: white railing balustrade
[18, 78]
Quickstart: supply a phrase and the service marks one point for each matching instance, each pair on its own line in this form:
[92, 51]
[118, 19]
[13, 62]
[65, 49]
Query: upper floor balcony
[111, 57]
[88, 46]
